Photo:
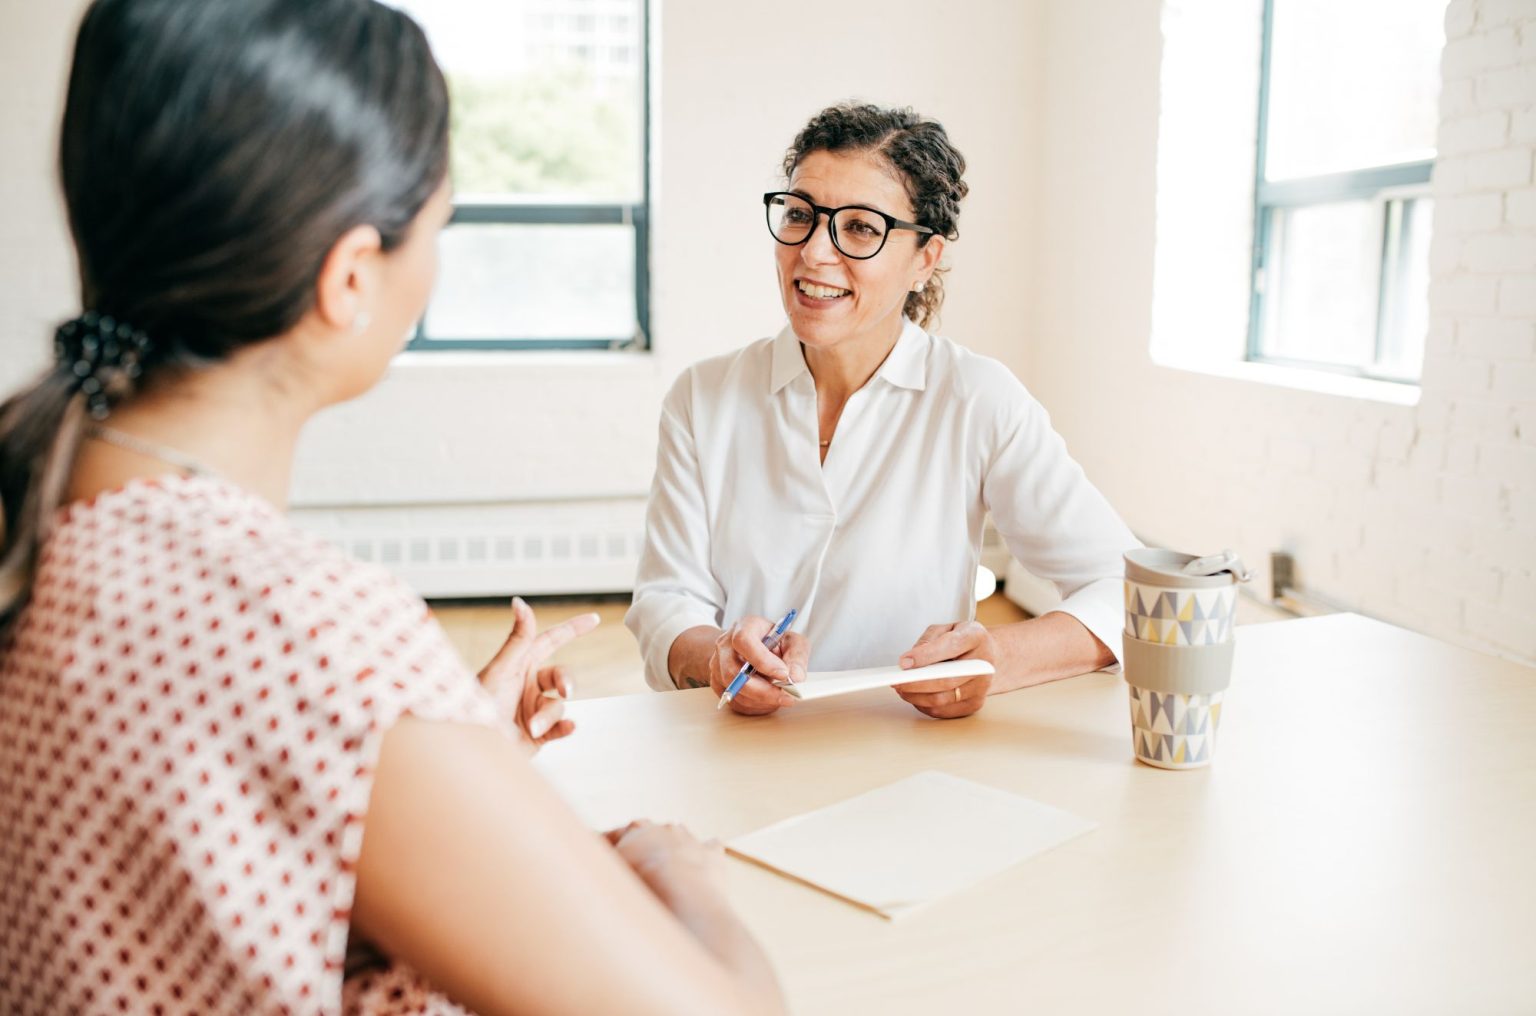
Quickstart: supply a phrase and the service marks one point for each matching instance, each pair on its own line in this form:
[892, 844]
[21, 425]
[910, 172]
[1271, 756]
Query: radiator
[493, 550]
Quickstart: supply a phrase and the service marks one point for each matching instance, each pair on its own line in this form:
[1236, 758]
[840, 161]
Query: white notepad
[898, 847]
[822, 683]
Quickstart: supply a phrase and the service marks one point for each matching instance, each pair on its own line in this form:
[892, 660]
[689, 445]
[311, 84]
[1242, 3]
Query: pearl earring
[360, 322]
[919, 287]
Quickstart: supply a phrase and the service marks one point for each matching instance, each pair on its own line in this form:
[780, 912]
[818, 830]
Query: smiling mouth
[818, 292]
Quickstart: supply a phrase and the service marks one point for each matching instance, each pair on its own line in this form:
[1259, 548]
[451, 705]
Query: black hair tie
[102, 356]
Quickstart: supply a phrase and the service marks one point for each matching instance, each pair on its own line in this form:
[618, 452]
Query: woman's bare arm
[476, 874]
[1046, 648]
[688, 660]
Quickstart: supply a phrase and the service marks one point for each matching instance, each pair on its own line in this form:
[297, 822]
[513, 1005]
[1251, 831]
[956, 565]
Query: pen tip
[721, 704]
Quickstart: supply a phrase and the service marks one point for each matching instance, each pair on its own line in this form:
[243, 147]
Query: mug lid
[1158, 567]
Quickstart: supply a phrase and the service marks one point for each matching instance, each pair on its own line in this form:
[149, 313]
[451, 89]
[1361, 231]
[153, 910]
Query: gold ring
[957, 694]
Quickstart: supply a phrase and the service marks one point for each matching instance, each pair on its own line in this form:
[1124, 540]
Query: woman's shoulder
[725, 376]
[206, 534]
[206, 573]
[980, 382]
[241, 674]
[755, 357]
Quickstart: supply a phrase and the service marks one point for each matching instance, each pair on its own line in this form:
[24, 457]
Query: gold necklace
[150, 449]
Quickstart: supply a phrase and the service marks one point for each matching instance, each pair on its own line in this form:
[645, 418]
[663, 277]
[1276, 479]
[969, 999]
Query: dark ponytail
[213, 151]
[932, 169]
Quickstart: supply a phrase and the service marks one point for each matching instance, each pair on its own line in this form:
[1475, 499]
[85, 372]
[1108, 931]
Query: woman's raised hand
[742, 643]
[949, 698]
[517, 680]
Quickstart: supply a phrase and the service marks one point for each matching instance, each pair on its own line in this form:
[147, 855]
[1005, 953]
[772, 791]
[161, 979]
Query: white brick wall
[1481, 548]
[1422, 515]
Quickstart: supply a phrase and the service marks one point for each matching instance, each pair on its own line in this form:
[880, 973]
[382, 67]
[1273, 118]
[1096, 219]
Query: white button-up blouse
[884, 537]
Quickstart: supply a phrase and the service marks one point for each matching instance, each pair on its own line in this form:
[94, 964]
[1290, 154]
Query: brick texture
[1450, 543]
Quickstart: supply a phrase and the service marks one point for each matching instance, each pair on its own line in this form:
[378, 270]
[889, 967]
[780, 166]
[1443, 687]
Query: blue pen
[770, 640]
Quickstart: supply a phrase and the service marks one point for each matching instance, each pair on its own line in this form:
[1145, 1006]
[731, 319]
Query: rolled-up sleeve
[1055, 522]
[674, 588]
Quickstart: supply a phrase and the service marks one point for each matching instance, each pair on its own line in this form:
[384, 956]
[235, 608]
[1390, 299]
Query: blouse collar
[905, 367]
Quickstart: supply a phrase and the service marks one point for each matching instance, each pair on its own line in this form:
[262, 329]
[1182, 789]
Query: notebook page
[909, 843]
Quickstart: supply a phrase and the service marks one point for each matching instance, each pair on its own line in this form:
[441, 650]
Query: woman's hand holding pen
[534, 695]
[742, 643]
[950, 697]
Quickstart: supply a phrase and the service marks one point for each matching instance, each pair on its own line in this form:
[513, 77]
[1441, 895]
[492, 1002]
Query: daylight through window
[548, 244]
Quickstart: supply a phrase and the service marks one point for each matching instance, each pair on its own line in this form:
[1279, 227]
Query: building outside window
[548, 246]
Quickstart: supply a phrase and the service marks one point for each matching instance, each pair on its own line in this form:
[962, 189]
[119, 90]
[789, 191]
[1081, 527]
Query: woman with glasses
[845, 467]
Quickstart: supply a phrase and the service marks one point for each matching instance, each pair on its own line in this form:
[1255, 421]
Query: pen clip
[783, 626]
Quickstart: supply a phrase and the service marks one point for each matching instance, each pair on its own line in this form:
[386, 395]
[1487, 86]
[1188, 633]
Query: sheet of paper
[898, 847]
[822, 683]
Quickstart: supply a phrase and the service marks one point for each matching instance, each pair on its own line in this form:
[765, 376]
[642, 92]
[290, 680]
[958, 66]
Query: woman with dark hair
[846, 466]
[238, 771]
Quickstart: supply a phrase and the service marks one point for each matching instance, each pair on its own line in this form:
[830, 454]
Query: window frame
[1391, 185]
[576, 214]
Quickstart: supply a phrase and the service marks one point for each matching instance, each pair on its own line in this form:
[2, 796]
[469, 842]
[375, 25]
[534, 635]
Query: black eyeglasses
[856, 231]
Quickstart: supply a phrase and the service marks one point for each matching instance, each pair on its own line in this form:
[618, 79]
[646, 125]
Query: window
[1348, 109]
[549, 238]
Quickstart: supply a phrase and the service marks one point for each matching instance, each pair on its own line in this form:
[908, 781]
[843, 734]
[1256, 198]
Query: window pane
[1352, 84]
[1405, 296]
[1321, 284]
[547, 95]
[534, 282]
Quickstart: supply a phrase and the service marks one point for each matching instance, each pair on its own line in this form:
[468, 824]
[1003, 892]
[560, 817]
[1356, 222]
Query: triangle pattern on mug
[1179, 617]
[1174, 731]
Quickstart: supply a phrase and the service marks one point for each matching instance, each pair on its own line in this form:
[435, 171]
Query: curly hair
[919, 151]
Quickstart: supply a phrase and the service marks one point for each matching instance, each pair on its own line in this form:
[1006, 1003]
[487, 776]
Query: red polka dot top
[191, 707]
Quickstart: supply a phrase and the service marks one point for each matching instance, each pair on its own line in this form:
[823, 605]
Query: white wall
[37, 280]
[1424, 516]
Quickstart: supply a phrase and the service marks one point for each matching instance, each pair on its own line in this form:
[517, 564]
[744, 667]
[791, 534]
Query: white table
[1365, 841]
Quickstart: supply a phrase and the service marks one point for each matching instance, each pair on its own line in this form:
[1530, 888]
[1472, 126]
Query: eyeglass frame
[891, 223]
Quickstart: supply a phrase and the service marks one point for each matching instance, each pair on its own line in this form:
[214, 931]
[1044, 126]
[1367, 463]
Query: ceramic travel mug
[1178, 646]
